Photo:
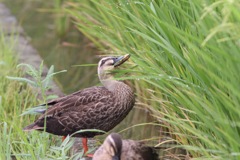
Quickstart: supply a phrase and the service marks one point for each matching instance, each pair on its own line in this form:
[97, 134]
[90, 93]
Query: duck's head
[107, 64]
[110, 149]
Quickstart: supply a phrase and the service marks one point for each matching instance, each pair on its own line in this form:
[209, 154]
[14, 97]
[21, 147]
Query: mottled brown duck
[114, 148]
[98, 107]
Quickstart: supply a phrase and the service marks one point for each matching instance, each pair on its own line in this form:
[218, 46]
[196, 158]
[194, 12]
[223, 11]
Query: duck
[115, 148]
[98, 107]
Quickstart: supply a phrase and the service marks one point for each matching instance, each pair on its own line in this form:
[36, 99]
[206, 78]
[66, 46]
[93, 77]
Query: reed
[185, 58]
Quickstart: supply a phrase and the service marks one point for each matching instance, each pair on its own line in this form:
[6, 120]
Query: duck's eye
[107, 62]
[103, 62]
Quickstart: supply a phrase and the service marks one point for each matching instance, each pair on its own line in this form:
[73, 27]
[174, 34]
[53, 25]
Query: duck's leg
[63, 138]
[85, 147]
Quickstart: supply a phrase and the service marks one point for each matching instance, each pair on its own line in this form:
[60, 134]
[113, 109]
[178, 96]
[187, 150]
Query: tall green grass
[11, 103]
[15, 99]
[186, 64]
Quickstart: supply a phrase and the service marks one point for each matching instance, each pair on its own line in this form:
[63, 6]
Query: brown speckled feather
[90, 108]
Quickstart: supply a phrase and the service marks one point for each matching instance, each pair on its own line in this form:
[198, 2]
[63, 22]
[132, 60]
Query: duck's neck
[109, 82]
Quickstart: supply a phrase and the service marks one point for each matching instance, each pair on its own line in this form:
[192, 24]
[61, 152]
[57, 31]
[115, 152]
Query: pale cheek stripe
[113, 143]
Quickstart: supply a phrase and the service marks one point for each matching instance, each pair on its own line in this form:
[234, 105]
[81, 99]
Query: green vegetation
[15, 98]
[43, 22]
[185, 65]
[186, 61]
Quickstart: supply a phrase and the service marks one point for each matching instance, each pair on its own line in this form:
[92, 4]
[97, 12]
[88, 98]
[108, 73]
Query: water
[71, 49]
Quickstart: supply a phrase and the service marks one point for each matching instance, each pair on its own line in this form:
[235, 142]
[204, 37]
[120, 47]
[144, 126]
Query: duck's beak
[120, 60]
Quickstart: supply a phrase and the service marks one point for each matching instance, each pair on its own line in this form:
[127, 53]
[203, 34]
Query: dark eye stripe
[104, 61]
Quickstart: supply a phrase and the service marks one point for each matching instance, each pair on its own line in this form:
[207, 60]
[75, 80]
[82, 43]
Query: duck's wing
[83, 94]
[77, 99]
[81, 110]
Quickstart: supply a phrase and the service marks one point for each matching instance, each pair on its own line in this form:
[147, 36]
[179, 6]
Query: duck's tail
[32, 126]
